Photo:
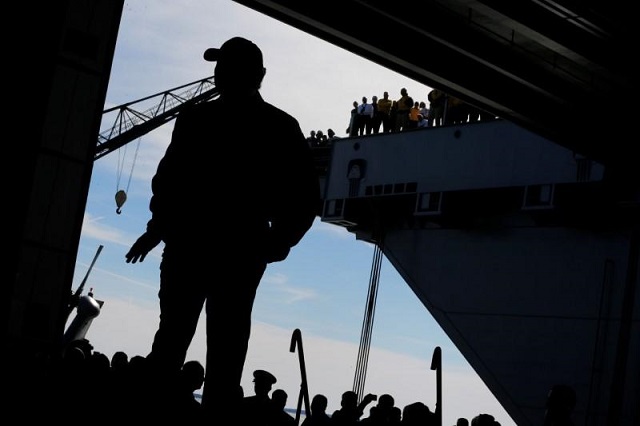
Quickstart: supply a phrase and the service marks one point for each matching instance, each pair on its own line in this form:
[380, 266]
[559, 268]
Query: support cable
[367, 324]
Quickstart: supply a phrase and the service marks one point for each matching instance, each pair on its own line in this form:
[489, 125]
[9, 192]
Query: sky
[321, 288]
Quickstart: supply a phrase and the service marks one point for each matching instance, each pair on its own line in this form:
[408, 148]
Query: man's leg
[181, 299]
[229, 310]
[182, 295]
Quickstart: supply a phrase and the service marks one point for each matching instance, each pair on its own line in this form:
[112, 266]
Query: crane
[131, 123]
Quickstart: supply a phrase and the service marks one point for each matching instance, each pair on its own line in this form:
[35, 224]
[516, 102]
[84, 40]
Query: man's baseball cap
[237, 52]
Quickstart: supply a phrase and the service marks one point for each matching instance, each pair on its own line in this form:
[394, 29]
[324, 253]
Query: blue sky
[321, 288]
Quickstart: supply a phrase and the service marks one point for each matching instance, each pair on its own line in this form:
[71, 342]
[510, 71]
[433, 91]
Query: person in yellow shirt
[404, 105]
[384, 113]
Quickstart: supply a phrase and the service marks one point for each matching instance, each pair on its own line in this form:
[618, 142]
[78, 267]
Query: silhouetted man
[257, 408]
[318, 415]
[350, 410]
[225, 204]
[279, 415]
[191, 380]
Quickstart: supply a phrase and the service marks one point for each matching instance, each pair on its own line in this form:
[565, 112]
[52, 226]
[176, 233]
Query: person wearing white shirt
[365, 113]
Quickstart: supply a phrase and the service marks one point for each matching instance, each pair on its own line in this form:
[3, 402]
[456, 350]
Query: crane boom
[130, 123]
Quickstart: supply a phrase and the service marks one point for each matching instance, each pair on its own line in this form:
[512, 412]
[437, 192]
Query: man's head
[239, 67]
[263, 381]
[349, 399]
[279, 398]
[193, 375]
[319, 403]
[386, 401]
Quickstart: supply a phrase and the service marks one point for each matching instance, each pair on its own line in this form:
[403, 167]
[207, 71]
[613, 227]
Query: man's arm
[298, 200]
[368, 399]
[160, 184]
[143, 245]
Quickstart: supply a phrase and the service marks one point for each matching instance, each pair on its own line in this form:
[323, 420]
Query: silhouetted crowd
[386, 115]
[383, 115]
[85, 385]
[317, 138]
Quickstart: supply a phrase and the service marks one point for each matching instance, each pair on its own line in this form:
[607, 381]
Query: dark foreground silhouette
[84, 384]
[212, 229]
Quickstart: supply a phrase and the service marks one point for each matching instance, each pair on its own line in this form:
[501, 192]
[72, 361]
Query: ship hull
[530, 308]
[525, 253]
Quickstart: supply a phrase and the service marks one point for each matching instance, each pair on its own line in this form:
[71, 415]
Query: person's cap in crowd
[264, 377]
[236, 51]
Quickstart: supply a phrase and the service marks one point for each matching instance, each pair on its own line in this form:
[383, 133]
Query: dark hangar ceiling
[563, 69]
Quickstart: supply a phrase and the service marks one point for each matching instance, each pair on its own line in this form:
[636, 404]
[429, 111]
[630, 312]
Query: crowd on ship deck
[383, 115]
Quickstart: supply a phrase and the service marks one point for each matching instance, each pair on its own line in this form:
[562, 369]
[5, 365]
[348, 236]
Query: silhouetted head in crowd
[192, 375]
[263, 381]
[349, 400]
[319, 404]
[119, 361]
[386, 401]
[279, 398]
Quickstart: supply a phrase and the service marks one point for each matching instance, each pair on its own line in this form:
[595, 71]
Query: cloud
[93, 228]
[286, 293]
[127, 279]
[332, 230]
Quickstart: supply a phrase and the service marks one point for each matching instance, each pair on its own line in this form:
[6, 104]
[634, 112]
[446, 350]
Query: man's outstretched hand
[143, 245]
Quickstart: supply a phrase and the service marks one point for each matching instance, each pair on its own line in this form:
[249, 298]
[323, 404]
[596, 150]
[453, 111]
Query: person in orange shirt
[414, 112]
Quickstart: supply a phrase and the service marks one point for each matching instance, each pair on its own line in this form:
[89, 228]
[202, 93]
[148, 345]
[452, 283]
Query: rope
[121, 195]
[367, 324]
[121, 157]
[133, 163]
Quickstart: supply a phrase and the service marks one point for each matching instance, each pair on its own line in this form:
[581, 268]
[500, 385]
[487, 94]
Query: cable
[367, 323]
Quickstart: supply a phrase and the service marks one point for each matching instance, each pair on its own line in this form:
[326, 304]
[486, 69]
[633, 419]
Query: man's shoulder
[278, 112]
[251, 398]
[198, 109]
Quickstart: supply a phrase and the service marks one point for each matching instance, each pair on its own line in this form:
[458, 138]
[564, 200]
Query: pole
[75, 297]
[296, 341]
[436, 364]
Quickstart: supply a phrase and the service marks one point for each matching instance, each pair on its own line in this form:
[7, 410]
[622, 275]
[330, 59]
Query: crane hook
[121, 197]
